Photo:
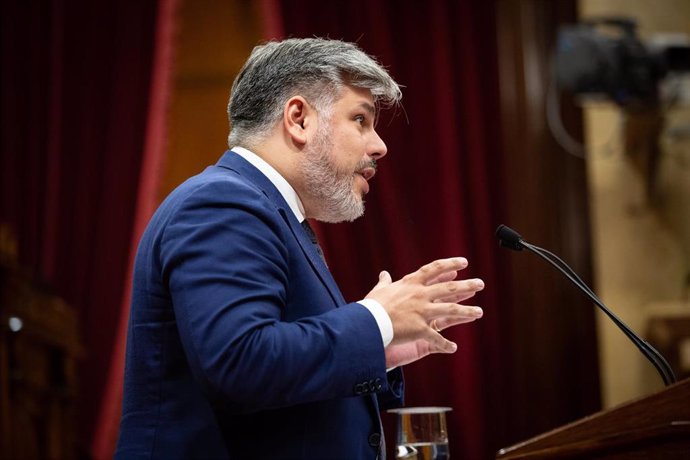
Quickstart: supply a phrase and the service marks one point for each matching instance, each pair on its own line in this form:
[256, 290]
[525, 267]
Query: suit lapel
[313, 256]
[241, 166]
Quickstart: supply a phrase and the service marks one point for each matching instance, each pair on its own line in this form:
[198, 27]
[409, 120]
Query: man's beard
[330, 188]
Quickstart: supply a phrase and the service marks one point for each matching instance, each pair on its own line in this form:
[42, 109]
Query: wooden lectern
[652, 427]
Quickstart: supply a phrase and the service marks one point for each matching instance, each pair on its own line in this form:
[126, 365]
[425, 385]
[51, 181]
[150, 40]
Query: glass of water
[422, 433]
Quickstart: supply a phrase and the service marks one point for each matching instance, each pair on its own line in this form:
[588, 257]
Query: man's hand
[406, 353]
[422, 304]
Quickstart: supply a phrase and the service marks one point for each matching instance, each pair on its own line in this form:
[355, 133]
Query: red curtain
[75, 117]
[438, 192]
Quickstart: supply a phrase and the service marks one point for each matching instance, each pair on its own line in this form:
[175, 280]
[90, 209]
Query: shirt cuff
[382, 319]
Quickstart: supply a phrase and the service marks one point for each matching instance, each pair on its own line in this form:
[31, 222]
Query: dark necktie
[312, 237]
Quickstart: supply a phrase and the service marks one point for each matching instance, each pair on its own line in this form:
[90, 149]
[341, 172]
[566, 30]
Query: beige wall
[642, 248]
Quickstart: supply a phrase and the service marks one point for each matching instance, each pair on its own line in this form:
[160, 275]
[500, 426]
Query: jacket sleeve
[224, 258]
[394, 396]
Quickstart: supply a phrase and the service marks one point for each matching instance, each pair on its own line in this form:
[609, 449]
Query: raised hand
[423, 303]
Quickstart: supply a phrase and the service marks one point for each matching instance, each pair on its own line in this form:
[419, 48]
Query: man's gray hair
[314, 68]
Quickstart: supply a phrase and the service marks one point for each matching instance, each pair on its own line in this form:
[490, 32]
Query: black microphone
[511, 239]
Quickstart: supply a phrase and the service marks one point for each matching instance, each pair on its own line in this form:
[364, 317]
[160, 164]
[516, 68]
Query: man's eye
[360, 119]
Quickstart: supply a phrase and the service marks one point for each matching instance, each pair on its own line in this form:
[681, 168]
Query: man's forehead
[360, 97]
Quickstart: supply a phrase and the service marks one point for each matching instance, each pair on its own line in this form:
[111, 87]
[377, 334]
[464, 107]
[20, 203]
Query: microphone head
[509, 238]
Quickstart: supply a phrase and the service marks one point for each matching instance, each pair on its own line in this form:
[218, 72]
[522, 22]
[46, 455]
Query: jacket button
[375, 439]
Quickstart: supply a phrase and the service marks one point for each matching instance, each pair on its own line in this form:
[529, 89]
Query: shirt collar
[276, 179]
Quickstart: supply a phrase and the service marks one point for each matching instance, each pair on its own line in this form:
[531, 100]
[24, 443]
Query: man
[240, 344]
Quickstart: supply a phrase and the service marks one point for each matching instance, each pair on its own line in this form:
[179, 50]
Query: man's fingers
[470, 314]
[443, 277]
[456, 298]
[440, 344]
[437, 268]
[445, 314]
[451, 289]
[428, 298]
[384, 278]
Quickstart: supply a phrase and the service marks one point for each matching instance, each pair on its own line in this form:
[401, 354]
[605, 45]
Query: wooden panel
[214, 40]
[657, 426]
[38, 357]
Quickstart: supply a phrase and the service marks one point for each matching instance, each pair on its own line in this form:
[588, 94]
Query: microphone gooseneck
[511, 239]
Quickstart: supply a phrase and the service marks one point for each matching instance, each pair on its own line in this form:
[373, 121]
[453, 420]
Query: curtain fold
[76, 96]
[108, 419]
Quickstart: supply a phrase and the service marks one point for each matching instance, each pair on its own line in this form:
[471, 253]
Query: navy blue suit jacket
[240, 344]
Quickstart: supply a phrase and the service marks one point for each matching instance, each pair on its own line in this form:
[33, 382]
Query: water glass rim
[420, 410]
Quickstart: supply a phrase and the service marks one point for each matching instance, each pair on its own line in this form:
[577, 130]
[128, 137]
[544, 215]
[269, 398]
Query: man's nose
[377, 149]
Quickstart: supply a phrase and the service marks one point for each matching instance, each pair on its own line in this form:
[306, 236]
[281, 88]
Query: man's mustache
[370, 163]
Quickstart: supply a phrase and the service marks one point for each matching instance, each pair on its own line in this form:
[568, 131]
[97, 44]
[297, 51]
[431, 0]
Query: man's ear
[298, 118]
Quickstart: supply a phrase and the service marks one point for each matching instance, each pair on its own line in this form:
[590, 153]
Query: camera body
[605, 56]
